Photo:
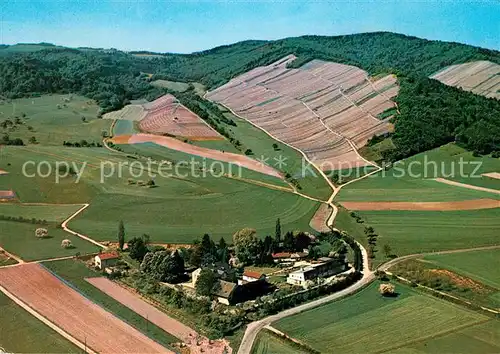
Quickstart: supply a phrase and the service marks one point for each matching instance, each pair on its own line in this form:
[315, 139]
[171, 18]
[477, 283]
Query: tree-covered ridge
[431, 114]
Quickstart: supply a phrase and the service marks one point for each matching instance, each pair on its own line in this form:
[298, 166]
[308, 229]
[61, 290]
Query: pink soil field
[433, 206]
[318, 221]
[75, 314]
[166, 115]
[175, 144]
[480, 77]
[315, 108]
[195, 342]
[495, 175]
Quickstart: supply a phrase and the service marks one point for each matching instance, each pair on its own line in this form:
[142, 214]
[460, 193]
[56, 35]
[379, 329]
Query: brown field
[75, 314]
[175, 144]
[196, 343]
[495, 175]
[434, 206]
[318, 108]
[481, 77]
[318, 221]
[166, 115]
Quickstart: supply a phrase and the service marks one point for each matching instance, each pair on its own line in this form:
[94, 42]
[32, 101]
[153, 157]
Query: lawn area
[397, 184]
[267, 343]
[54, 119]
[75, 272]
[409, 232]
[21, 332]
[50, 213]
[411, 322]
[478, 265]
[19, 238]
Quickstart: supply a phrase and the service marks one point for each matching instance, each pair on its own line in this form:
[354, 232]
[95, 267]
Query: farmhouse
[225, 292]
[288, 257]
[324, 268]
[249, 276]
[104, 260]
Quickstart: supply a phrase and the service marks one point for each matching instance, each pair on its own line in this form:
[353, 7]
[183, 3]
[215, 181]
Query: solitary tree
[387, 289]
[41, 232]
[121, 235]
[137, 248]
[278, 231]
[66, 244]
[387, 250]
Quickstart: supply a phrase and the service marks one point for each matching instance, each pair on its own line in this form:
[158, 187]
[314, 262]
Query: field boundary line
[465, 185]
[48, 323]
[67, 229]
[13, 256]
[286, 337]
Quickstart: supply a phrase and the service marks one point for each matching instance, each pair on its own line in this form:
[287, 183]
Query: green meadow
[52, 119]
[411, 322]
[267, 343]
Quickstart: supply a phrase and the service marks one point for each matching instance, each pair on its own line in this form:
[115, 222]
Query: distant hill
[432, 114]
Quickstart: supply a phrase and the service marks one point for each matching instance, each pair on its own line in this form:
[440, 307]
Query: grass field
[74, 273]
[410, 232]
[124, 127]
[392, 185]
[19, 238]
[478, 265]
[409, 323]
[20, 332]
[171, 85]
[50, 213]
[54, 119]
[179, 209]
[266, 343]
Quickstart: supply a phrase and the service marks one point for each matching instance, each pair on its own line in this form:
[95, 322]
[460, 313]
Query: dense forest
[431, 113]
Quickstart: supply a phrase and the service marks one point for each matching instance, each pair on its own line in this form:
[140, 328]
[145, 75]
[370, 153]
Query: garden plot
[322, 108]
[480, 77]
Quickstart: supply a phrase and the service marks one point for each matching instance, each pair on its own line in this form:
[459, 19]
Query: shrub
[387, 289]
[41, 232]
[66, 244]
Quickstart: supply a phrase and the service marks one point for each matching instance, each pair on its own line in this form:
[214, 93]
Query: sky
[188, 25]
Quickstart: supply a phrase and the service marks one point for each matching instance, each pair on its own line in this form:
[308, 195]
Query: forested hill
[431, 113]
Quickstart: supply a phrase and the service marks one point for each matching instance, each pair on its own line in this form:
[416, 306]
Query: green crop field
[50, 213]
[397, 184]
[21, 332]
[411, 322]
[75, 272]
[410, 232]
[478, 265]
[266, 343]
[124, 127]
[19, 238]
[52, 119]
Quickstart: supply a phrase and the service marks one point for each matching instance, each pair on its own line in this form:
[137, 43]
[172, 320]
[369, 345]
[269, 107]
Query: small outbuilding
[103, 260]
[249, 276]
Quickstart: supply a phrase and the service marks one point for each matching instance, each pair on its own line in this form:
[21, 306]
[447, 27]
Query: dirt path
[32, 312]
[13, 256]
[475, 204]
[495, 175]
[464, 185]
[73, 313]
[67, 229]
[196, 343]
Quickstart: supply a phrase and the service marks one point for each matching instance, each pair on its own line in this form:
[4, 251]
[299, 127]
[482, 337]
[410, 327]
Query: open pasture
[313, 108]
[74, 313]
[51, 213]
[480, 77]
[19, 238]
[52, 119]
[171, 85]
[411, 180]
[411, 322]
[20, 332]
[266, 343]
[409, 232]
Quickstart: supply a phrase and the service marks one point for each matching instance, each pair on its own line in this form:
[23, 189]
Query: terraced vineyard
[323, 108]
[481, 77]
